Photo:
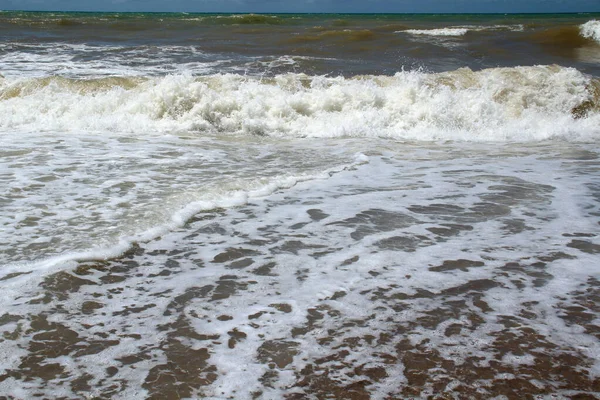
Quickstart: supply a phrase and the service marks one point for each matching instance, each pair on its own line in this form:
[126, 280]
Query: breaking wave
[591, 30]
[438, 32]
[499, 104]
[460, 30]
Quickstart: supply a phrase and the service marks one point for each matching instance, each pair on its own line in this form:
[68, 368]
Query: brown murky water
[299, 206]
[460, 286]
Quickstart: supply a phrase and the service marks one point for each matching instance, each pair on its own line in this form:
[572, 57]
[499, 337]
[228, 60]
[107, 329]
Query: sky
[338, 6]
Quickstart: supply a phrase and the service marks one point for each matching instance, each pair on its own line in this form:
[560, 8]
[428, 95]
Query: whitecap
[591, 30]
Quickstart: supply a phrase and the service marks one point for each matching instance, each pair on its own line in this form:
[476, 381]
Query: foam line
[179, 219]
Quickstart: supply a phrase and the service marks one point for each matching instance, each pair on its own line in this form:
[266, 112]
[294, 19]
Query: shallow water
[195, 212]
[469, 270]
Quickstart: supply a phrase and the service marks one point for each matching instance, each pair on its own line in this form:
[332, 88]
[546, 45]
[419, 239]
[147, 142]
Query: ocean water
[299, 206]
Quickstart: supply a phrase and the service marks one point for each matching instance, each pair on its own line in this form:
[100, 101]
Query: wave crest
[459, 30]
[499, 104]
[439, 31]
[249, 19]
[591, 30]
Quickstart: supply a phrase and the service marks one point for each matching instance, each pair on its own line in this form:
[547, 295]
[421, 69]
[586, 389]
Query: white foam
[461, 30]
[65, 59]
[591, 30]
[548, 193]
[125, 199]
[438, 31]
[498, 104]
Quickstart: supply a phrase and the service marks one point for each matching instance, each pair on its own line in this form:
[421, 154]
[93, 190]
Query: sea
[299, 206]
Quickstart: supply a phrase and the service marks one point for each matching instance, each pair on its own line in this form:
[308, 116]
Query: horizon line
[308, 13]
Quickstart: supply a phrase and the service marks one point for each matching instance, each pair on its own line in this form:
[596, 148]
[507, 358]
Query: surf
[498, 104]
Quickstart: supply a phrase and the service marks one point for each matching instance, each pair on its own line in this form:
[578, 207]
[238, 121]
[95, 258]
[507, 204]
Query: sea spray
[591, 30]
[498, 104]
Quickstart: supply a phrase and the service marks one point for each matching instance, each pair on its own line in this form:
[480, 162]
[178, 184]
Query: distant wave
[460, 30]
[499, 104]
[438, 32]
[139, 21]
[591, 30]
[248, 19]
[350, 35]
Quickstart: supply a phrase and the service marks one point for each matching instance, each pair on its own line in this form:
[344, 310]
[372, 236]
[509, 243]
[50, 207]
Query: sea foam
[127, 206]
[591, 30]
[439, 32]
[499, 104]
[461, 30]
